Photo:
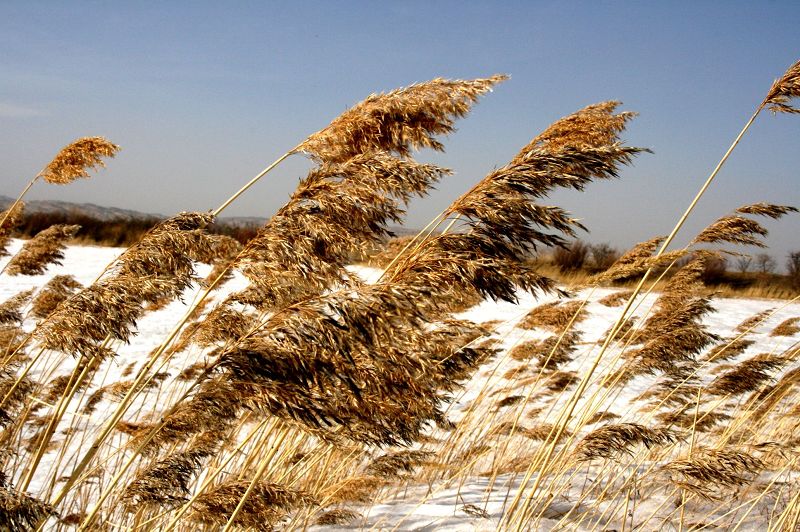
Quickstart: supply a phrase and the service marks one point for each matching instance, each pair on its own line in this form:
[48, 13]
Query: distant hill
[88, 209]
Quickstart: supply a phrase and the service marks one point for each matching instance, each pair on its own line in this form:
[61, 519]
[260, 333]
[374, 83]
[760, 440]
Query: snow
[440, 504]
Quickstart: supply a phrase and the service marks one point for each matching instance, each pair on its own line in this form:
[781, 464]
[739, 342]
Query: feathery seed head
[734, 229]
[46, 248]
[766, 209]
[398, 121]
[783, 90]
[614, 439]
[75, 159]
[10, 309]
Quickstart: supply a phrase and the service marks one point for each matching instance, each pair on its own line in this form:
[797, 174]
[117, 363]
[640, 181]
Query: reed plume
[766, 209]
[768, 397]
[11, 338]
[674, 314]
[603, 415]
[728, 349]
[612, 440]
[783, 90]
[635, 266]
[57, 289]
[748, 375]
[740, 230]
[397, 464]
[337, 213]
[734, 229]
[709, 469]
[550, 353]
[17, 397]
[674, 334]
[19, 511]
[263, 509]
[160, 266]
[673, 389]
[559, 381]
[554, 316]
[622, 330]
[337, 516]
[689, 417]
[75, 159]
[167, 482]
[538, 433]
[222, 324]
[753, 321]
[225, 252]
[397, 121]
[11, 308]
[70, 163]
[594, 126]
[787, 327]
[616, 299]
[565, 155]
[44, 249]
[642, 250]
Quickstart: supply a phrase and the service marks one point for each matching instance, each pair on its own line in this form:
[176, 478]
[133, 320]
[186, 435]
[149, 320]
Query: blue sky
[202, 95]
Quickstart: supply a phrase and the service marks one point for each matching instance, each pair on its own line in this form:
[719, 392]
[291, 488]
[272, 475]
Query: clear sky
[202, 95]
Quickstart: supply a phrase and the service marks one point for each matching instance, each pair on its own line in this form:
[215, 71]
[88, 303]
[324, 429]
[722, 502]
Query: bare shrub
[572, 257]
[743, 263]
[765, 263]
[793, 268]
[714, 271]
[603, 256]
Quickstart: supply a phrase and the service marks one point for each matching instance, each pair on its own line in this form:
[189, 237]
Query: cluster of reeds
[309, 393]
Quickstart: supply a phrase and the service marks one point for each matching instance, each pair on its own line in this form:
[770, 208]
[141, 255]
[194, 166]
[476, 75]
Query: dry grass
[310, 395]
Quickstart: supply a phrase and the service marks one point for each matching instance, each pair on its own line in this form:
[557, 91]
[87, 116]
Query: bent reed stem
[252, 182]
[19, 199]
[512, 518]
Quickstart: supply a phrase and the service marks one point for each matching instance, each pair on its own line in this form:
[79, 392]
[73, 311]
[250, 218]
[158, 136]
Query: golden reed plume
[398, 120]
[784, 89]
[75, 159]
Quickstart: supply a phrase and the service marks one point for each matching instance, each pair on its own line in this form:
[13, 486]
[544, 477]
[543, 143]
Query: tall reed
[308, 372]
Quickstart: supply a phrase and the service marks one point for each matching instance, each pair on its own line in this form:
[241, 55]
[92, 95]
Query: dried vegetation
[310, 394]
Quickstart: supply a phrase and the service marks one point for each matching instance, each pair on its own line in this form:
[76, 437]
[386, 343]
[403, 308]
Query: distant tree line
[119, 232]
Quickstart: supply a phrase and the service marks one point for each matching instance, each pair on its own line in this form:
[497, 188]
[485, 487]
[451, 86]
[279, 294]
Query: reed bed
[286, 392]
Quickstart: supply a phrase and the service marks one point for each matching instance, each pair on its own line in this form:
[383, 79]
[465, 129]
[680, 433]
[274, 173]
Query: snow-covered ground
[439, 505]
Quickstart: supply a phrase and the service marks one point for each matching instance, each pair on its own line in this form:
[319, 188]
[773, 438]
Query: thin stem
[19, 199]
[705, 186]
[543, 464]
[691, 450]
[251, 182]
[427, 230]
[126, 401]
[76, 379]
[207, 482]
[254, 482]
